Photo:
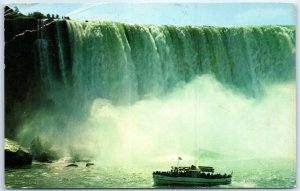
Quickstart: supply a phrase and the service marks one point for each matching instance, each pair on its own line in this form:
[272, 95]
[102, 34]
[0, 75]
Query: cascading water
[124, 63]
[45, 62]
[137, 85]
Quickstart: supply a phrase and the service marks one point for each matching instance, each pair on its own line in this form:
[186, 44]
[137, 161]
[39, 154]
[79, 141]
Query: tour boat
[191, 176]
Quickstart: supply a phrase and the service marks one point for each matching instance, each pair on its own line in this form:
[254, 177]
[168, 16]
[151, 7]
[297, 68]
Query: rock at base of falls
[89, 164]
[15, 154]
[72, 165]
[42, 151]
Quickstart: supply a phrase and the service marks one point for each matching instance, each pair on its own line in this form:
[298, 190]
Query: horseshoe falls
[142, 95]
[126, 63]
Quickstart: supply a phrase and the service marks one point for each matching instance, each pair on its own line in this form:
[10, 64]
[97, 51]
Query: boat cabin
[193, 168]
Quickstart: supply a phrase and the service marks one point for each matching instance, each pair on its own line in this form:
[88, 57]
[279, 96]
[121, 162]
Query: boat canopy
[194, 168]
[206, 168]
[183, 168]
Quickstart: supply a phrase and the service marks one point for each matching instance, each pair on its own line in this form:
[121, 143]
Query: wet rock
[42, 151]
[89, 164]
[45, 157]
[72, 165]
[15, 154]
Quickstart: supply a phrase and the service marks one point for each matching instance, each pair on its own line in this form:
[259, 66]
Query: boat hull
[189, 181]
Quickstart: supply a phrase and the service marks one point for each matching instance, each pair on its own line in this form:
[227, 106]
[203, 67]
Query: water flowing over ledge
[66, 67]
[124, 63]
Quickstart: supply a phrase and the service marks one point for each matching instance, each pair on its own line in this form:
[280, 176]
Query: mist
[201, 116]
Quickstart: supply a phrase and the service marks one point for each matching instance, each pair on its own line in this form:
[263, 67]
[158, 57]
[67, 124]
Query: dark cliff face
[23, 92]
[19, 60]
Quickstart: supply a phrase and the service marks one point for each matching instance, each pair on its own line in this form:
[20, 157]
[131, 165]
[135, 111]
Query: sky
[215, 14]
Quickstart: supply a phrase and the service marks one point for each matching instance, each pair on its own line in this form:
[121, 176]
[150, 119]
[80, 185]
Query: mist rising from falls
[202, 114]
[149, 92]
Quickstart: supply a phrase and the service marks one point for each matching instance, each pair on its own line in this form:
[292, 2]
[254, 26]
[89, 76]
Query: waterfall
[124, 63]
[61, 53]
[139, 84]
[44, 58]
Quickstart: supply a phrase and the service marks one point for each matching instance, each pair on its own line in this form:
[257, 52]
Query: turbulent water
[258, 173]
[138, 95]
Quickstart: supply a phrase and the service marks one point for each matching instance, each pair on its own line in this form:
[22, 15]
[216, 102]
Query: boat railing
[197, 174]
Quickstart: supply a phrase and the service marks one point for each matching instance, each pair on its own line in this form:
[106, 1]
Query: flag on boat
[179, 158]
